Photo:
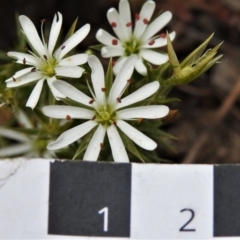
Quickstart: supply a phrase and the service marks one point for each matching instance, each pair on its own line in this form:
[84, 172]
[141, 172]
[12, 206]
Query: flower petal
[118, 65]
[16, 149]
[72, 42]
[118, 28]
[71, 135]
[118, 149]
[136, 136]
[69, 71]
[145, 14]
[154, 57]
[121, 79]
[74, 60]
[105, 38]
[32, 35]
[54, 32]
[94, 145]
[125, 15]
[139, 95]
[24, 58]
[34, 97]
[140, 67]
[71, 92]
[97, 76]
[108, 51]
[67, 112]
[57, 94]
[25, 79]
[159, 42]
[156, 25]
[19, 73]
[12, 134]
[148, 112]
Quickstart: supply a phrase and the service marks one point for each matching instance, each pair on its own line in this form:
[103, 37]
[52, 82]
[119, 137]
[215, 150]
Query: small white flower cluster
[105, 111]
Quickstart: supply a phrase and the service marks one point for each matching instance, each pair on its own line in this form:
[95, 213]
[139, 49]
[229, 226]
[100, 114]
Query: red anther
[63, 47]
[91, 101]
[137, 16]
[14, 79]
[114, 123]
[113, 63]
[45, 57]
[162, 35]
[119, 100]
[94, 117]
[151, 42]
[114, 24]
[33, 70]
[129, 24]
[68, 117]
[43, 20]
[24, 61]
[104, 89]
[26, 48]
[114, 42]
[145, 21]
[129, 81]
[101, 145]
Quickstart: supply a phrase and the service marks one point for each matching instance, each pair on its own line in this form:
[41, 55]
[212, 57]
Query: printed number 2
[105, 218]
[183, 229]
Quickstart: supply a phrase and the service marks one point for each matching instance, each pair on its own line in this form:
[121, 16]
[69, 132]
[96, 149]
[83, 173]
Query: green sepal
[97, 47]
[109, 77]
[84, 143]
[71, 30]
[196, 54]
[130, 145]
[71, 102]
[173, 57]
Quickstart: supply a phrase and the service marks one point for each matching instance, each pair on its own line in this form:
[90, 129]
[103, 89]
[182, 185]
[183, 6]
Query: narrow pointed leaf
[109, 77]
[71, 30]
[130, 145]
[97, 47]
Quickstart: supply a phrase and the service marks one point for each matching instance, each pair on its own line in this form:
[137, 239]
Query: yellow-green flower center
[48, 66]
[132, 46]
[105, 115]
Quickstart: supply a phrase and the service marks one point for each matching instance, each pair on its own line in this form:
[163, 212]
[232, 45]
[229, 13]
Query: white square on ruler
[167, 197]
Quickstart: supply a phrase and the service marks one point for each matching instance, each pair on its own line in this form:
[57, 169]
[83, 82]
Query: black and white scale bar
[47, 199]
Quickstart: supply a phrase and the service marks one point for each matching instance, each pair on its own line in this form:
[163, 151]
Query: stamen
[101, 145]
[137, 16]
[33, 70]
[68, 118]
[26, 48]
[140, 120]
[104, 89]
[14, 79]
[129, 24]
[114, 123]
[145, 21]
[151, 42]
[114, 24]
[113, 63]
[91, 101]
[45, 57]
[162, 35]
[114, 42]
[24, 61]
[43, 20]
[94, 117]
[129, 81]
[63, 47]
[119, 100]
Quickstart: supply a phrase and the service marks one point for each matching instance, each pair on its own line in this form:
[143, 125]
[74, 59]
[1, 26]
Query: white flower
[104, 110]
[26, 145]
[47, 64]
[140, 41]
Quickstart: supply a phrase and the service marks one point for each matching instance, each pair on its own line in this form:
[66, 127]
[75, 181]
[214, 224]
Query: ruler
[48, 199]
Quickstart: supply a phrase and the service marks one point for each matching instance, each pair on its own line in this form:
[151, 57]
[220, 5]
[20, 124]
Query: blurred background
[207, 124]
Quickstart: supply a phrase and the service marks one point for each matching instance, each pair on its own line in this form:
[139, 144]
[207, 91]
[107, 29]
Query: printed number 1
[105, 218]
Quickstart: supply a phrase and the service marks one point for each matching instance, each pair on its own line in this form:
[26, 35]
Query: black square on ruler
[227, 200]
[90, 199]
